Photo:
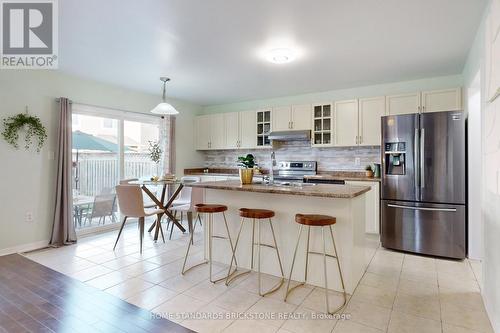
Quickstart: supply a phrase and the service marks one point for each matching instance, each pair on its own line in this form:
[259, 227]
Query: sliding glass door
[106, 149]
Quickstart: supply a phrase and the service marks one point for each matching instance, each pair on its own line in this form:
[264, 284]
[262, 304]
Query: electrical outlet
[29, 217]
[357, 161]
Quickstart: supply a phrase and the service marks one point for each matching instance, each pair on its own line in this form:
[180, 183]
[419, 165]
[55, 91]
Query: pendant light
[164, 108]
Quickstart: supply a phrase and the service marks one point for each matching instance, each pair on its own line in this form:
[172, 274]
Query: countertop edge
[274, 190]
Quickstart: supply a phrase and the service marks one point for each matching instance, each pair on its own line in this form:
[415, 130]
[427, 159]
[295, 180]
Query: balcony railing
[98, 171]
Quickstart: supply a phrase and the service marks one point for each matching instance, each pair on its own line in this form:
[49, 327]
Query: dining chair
[148, 203]
[131, 204]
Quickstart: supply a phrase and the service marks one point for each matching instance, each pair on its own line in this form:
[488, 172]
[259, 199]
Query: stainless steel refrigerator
[424, 183]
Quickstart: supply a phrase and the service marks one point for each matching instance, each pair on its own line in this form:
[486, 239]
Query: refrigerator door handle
[416, 152]
[424, 208]
[422, 158]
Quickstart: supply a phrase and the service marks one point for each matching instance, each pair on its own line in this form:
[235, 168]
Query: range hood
[304, 135]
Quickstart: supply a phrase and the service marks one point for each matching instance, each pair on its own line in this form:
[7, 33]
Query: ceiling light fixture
[164, 108]
[280, 56]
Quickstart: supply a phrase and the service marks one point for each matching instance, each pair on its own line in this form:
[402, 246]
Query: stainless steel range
[294, 171]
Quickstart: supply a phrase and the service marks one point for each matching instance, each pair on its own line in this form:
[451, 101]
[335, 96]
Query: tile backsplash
[333, 158]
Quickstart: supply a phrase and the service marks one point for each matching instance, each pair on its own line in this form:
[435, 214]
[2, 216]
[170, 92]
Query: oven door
[433, 229]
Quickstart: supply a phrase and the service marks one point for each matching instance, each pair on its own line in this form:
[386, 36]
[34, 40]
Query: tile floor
[398, 293]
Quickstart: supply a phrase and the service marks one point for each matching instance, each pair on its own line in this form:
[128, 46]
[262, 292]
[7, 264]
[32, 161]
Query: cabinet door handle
[360, 139]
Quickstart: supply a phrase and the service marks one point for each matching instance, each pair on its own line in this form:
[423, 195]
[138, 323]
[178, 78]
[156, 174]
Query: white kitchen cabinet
[301, 117]
[232, 130]
[240, 130]
[372, 205]
[282, 118]
[402, 104]
[264, 127]
[322, 125]
[346, 123]
[295, 117]
[210, 132]
[202, 126]
[217, 132]
[442, 100]
[371, 111]
[247, 129]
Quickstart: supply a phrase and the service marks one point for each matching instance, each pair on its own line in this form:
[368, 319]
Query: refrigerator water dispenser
[395, 158]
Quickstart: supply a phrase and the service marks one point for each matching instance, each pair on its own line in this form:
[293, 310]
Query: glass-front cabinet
[263, 128]
[322, 125]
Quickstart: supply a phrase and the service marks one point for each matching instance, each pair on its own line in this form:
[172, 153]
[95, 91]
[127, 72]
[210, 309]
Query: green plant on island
[247, 162]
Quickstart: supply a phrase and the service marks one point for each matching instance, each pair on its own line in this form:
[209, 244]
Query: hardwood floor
[34, 298]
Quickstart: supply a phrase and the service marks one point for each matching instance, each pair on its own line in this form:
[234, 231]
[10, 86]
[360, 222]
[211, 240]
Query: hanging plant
[32, 126]
[155, 151]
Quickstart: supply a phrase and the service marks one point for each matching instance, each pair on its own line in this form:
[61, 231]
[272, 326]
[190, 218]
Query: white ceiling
[212, 49]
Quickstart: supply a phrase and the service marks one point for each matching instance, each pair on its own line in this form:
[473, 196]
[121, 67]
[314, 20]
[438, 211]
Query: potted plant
[155, 152]
[369, 171]
[246, 164]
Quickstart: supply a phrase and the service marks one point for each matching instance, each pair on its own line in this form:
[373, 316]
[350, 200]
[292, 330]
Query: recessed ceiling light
[280, 56]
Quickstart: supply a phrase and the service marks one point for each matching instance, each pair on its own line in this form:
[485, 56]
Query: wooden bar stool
[256, 214]
[210, 210]
[317, 221]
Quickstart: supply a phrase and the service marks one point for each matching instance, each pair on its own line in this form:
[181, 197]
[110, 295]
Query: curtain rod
[97, 106]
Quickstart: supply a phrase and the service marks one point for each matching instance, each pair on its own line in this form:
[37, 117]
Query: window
[108, 145]
[108, 123]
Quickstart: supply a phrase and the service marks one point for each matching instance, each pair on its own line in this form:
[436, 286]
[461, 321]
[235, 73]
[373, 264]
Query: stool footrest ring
[184, 271]
[273, 289]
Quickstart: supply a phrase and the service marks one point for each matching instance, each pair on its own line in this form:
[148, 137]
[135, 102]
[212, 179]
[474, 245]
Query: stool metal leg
[184, 270]
[307, 251]
[324, 254]
[324, 269]
[280, 283]
[253, 241]
[288, 290]
[230, 278]
[340, 273]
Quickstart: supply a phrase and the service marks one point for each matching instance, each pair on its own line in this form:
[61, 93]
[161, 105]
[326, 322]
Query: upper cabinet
[248, 129]
[240, 129]
[301, 117]
[202, 126]
[210, 132]
[232, 129]
[371, 110]
[426, 101]
[402, 104]
[264, 126]
[296, 117]
[322, 125]
[282, 118]
[442, 100]
[217, 131]
[346, 123]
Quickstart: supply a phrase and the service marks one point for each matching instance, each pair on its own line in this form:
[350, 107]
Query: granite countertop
[333, 176]
[324, 175]
[312, 190]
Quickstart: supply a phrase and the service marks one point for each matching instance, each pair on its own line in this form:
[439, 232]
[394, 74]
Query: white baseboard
[24, 247]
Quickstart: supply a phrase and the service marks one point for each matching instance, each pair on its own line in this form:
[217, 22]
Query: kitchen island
[345, 202]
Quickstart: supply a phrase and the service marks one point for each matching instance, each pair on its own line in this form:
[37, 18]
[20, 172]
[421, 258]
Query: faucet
[273, 164]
